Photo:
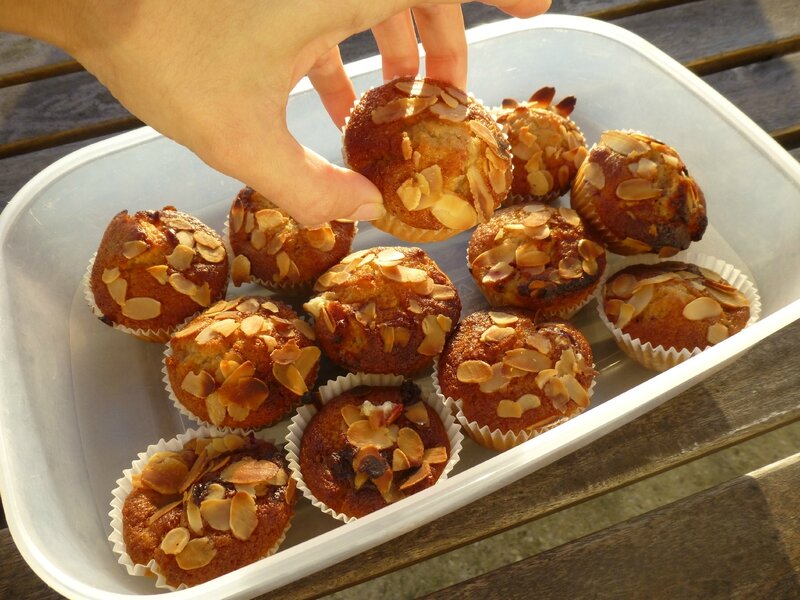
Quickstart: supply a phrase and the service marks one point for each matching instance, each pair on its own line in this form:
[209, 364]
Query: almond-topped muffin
[547, 145]
[637, 196]
[214, 506]
[512, 377]
[435, 153]
[372, 446]
[537, 257]
[384, 310]
[243, 363]
[154, 269]
[272, 248]
[671, 304]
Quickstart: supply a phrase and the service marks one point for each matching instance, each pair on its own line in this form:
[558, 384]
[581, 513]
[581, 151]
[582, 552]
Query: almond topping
[110, 275]
[418, 413]
[420, 475]
[509, 409]
[159, 272]
[496, 334]
[702, 308]
[118, 289]
[577, 393]
[250, 471]
[733, 300]
[290, 378]
[308, 359]
[525, 359]
[251, 325]
[497, 382]
[589, 249]
[217, 513]
[435, 456]
[529, 401]
[528, 255]
[448, 113]
[418, 87]
[215, 408]
[593, 174]
[181, 257]
[400, 460]
[626, 312]
[133, 248]
[411, 444]
[637, 189]
[351, 414]
[141, 309]
[498, 272]
[196, 554]
[623, 285]
[175, 540]
[641, 299]
[400, 108]
[243, 517]
[570, 268]
[623, 143]
[269, 218]
[164, 472]
[502, 319]
[434, 330]
[570, 216]
[200, 385]
[322, 238]
[474, 371]
[536, 219]
[454, 213]
[361, 434]
[717, 333]
[240, 270]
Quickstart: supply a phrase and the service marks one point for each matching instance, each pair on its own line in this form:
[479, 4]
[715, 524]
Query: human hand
[216, 75]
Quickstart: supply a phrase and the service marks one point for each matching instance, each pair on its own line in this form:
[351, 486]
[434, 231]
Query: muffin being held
[153, 270]
[196, 509]
[375, 439]
[635, 193]
[271, 248]
[511, 378]
[547, 146]
[537, 257]
[384, 310]
[435, 153]
[243, 363]
[662, 313]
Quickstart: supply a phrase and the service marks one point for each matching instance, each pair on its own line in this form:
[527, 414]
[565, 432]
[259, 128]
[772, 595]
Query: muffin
[671, 305]
[155, 269]
[271, 248]
[435, 153]
[511, 377]
[536, 257]
[636, 194]
[242, 363]
[547, 146]
[369, 446]
[384, 310]
[197, 510]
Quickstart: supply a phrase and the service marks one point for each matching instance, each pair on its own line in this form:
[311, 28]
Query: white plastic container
[78, 401]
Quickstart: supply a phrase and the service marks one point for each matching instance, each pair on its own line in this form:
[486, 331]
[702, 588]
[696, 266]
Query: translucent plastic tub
[78, 400]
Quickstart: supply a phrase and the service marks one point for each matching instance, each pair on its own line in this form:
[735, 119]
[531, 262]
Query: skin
[215, 75]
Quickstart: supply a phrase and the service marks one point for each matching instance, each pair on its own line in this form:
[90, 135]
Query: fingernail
[368, 212]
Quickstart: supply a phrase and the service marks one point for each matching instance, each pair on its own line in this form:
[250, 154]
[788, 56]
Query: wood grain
[745, 399]
[17, 581]
[736, 540]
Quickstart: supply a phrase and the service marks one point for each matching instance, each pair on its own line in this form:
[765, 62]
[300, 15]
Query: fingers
[441, 30]
[333, 85]
[397, 43]
[522, 8]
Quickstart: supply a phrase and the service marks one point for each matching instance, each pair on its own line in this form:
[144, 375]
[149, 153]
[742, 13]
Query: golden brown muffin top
[535, 251]
[643, 194]
[372, 446]
[438, 157]
[239, 353]
[514, 374]
[155, 268]
[271, 246]
[547, 146]
[674, 304]
[217, 505]
[385, 285]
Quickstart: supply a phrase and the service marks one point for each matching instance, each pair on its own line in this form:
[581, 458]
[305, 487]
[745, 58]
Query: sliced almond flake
[448, 99]
[580, 155]
[308, 359]
[497, 382]
[175, 540]
[496, 334]
[538, 233]
[284, 264]
[199, 385]
[418, 413]
[251, 325]
[405, 146]
[410, 443]
[717, 333]
[401, 108]
[250, 471]
[442, 292]
[539, 182]
[418, 87]
[702, 308]
[181, 257]
[539, 342]
[290, 378]
[456, 114]
[577, 393]
[570, 216]
[186, 238]
[141, 309]
[626, 312]
[434, 339]
[304, 328]
[622, 285]
[111, 274]
[286, 354]
[544, 376]
[243, 517]
[646, 168]
[732, 300]
[268, 306]
[483, 132]
[589, 249]
[637, 189]
[502, 319]
[237, 412]
[162, 511]
[118, 289]
[623, 143]
[525, 359]
[404, 274]
[536, 218]
[182, 285]
[498, 272]
[215, 408]
[414, 306]
[454, 212]
[268, 219]
[509, 409]
[570, 268]
[435, 456]
[400, 461]
[528, 401]
[361, 434]
[474, 371]
[322, 238]
[164, 472]
[159, 273]
[389, 257]
[417, 477]
[499, 254]
[225, 327]
[133, 248]
[258, 239]
[589, 266]
[240, 270]
[217, 513]
[556, 390]
[351, 413]
[410, 194]
[593, 174]
[275, 243]
[387, 335]
[529, 255]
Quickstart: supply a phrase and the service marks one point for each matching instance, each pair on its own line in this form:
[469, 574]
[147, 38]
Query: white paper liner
[286, 287]
[150, 335]
[336, 387]
[658, 358]
[125, 486]
[495, 439]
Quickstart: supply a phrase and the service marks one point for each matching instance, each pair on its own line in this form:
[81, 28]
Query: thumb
[307, 186]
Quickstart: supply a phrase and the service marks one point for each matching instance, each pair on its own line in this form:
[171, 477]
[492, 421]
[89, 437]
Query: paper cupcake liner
[496, 439]
[285, 287]
[125, 486]
[336, 387]
[658, 358]
[148, 335]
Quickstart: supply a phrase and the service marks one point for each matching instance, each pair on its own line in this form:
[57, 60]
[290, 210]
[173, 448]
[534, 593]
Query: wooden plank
[687, 427]
[18, 53]
[736, 540]
[18, 580]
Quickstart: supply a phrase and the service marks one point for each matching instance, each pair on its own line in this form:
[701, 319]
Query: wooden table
[738, 539]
